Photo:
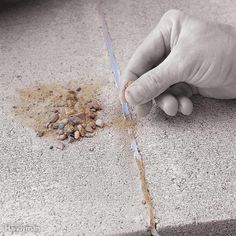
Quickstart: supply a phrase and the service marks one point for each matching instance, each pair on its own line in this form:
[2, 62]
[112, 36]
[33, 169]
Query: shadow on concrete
[28, 7]
[213, 228]
[8, 5]
[206, 109]
[27, 10]
[137, 233]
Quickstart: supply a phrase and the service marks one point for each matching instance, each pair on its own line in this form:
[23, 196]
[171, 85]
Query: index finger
[153, 49]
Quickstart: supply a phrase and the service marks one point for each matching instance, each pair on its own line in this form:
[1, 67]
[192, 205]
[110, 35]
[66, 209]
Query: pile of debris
[61, 113]
[74, 120]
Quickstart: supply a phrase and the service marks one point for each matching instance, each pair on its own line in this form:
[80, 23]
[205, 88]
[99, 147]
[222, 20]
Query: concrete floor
[190, 161]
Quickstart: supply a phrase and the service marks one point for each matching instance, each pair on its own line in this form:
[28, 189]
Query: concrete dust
[122, 124]
[36, 104]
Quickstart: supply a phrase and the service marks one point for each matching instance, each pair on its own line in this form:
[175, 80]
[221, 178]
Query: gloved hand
[183, 55]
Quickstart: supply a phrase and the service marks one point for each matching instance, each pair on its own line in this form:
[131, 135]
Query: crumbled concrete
[190, 161]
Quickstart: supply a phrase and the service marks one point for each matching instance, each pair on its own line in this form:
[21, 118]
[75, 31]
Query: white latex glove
[181, 56]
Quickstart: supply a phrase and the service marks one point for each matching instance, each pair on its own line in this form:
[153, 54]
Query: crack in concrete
[147, 197]
[127, 114]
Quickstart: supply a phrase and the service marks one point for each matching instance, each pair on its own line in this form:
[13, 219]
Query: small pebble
[92, 124]
[60, 145]
[69, 112]
[80, 127]
[89, 129]
[78, 89]
[94, 104]
[14, 107]
[69, 128]
[82, 117]
[61, 126]
[65, 121]
[71, 139]
[60, 132]
[39, 133]
[62, 137]
[91, 149]
[70, 134]
[77, 106]
[92, 115]
[81, 130]
[50, 147]
[52, 119]
[69, 103]
[143, 202]
[99, 123]
[74, 120]
[77, 134]
[55, 126]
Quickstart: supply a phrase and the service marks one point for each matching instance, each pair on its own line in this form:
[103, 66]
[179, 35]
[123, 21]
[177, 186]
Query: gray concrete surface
[74, 192]
[190, 161]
